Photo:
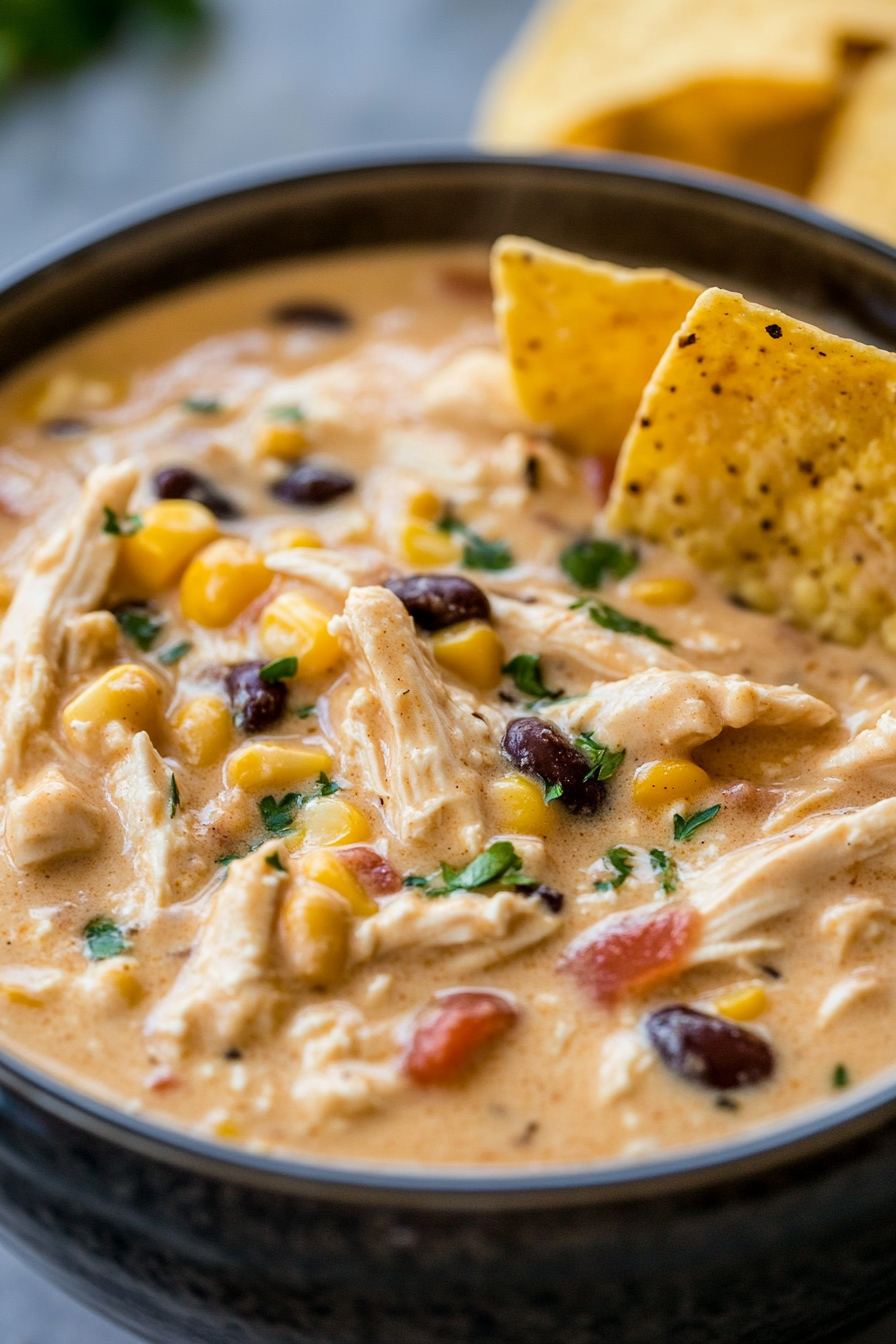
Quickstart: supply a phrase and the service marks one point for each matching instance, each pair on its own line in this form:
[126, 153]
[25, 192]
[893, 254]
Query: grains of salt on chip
[582, 337]
[764, 449]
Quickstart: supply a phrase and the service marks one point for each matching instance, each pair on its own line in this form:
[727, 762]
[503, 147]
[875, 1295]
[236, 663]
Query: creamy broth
[201, 998]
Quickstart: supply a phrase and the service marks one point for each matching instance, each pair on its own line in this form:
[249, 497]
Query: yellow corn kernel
[226, 1128]
[275, 765]
[332, 821]
[221, 582]
[25, 998]
[202, 730]
[424, 504]
[294, 626]
[743, 1004]
[155, 557]
[471, 651]
[323, 866]
[286, 538]
[663, 782]
[283, 439]
[422, 544]
[519, 807]
[314, 930]
[127, 694]
[7, 591]
[120, 976]
[662, 592]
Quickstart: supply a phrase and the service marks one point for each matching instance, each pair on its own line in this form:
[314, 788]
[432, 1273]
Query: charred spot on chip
[690, 339]
[774, 331]
[645, 422]
[806, 467]
[716, 388]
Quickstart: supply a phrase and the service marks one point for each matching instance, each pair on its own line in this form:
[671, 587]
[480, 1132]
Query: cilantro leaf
[279, 817]
[525, 670]
[620, 859]
[589, 562]
[305, 711]
[174, 797]
[683, 829]
[665, 865]
[840, 1076]
[414, 880]
[604, 762]
[202, 405]
[499, 859]
[114, 526]
[174, 652]
[280, 669]
[273, 861]
[553, 793]
[482, 554]
[103, 939]
[138, 623]
[325, 786]
[611, 619]
[287, 415]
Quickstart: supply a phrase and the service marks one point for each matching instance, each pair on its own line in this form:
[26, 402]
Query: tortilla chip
[764, 449]
[582, 337]
[858, 178]
[743, 86]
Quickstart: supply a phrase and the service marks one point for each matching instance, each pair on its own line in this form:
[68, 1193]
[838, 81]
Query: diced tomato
[375, 873]
[452, 1030]
[599, 472]
[628, 952]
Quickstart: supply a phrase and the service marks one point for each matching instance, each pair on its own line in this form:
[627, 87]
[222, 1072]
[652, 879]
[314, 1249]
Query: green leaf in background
[589, 562]
[525, 672]
[103, 939]
[604, 762]
[497, 861]
[665, 865]
[138, 621]
[620, 860]
[683, 828]
[611, 619]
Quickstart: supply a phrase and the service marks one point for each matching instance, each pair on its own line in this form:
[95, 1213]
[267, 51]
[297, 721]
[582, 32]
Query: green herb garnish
[611, 619]
[279, 816]
[138, 623]
[114, 526]
[604, 762]
[202, 405]
[325, 786]
[289, 415]
[589, 562]
[620, 859]
[174, 797]
[273, 860]
[304, 711]
[500, 862]
[414, 880]
[280, 669]
[525, 671]
[683, 829]
[553, 793]
[174, 652]
[840, 1076]
[104, 939]
[478, 553]
[665, 865]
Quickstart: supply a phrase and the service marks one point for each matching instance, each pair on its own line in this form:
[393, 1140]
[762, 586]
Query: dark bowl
[784, 1235]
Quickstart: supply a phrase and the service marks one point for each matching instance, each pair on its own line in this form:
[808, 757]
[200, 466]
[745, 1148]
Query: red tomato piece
[375, 873]
[450, 1032]
[627, 952]
[599, 472]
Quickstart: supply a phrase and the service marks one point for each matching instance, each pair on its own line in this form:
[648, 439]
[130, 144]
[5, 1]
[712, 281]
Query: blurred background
[106, 102]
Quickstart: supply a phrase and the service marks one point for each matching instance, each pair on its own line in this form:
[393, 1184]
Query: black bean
[437, 600]
[182, 483]
[65, 427]
[538, 748]
[553, 899]
[256, 703]
[708, 1050]
[310, 484]
[325, 316]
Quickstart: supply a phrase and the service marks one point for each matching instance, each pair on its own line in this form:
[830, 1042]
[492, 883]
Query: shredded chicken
[491, 928]
[846, 991]
[89, 639]
[66, 578]
[624, 1057]
[475, 391]
[50, 820]
[337, 1077]
[158, 843]
[869, 750]
[854, 918]
[334, 572]
[671, 713]
[404, 737]
[225, 994]
[30, 985]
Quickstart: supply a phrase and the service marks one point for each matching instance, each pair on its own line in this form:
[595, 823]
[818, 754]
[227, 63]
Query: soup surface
[363, 798]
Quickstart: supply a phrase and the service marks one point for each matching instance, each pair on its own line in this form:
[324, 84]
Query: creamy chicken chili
[365, 796]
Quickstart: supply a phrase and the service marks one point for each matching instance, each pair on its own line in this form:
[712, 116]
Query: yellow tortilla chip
[742, 86]
[764, 449]
[582, 337]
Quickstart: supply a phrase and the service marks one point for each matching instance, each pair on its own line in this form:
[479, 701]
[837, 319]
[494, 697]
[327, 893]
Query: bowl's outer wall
[787, 1257]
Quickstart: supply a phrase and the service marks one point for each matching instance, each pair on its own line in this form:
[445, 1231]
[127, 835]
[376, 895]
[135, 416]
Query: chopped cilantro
[553, 793]
[174, 652]
[289, 415]
[589, 562]
[280, 669]
[620, 859]
[665, 865]
[325, 786]
[273, 861]
[103, 939]
[611, 619]
[202, 405]
[114, 526]
[227, 859]
[414, 880]
[525, 671]
[279, 817]
[840, 1076]
[604, 762]
[304, 711]
[174, 797]
[499, 862]
[139, 624]
[683, 829]
[478, 553]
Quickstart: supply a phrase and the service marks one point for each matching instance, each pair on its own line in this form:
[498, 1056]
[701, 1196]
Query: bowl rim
[793, 1138]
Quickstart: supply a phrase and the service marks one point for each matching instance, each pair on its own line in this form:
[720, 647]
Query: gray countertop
[270, 78]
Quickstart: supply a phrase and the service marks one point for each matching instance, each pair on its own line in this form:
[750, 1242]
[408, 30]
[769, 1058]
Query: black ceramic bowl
[784, 1236]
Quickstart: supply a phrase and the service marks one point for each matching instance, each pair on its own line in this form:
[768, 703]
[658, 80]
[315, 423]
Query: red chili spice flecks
[452, 1030]
[632, 951]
